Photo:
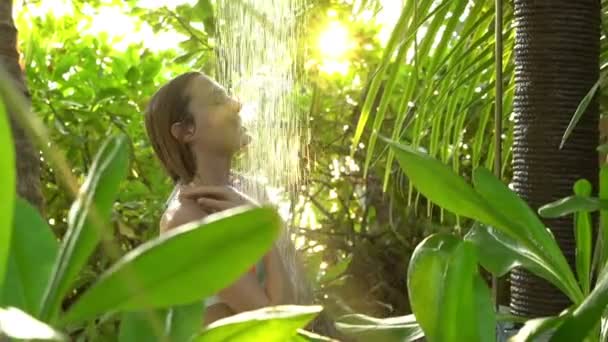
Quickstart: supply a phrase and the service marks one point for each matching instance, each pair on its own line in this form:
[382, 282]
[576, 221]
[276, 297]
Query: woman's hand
[216, 198]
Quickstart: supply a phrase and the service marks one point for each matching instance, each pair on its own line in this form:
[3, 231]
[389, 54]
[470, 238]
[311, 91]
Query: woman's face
[217, 124]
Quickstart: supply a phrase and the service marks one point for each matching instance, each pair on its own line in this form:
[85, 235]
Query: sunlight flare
[335, 41]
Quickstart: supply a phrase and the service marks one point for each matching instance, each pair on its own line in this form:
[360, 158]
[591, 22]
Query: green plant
[509, 234]
[441, 96]
[7, 182]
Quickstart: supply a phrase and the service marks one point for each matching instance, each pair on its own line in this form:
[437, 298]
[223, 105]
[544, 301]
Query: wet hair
[169, 106]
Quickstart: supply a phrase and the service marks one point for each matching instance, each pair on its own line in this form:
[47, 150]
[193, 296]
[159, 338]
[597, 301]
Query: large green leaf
[87, 220]
[522, 224]
[447, 295]
[17, 324]
[7, 183]
[499, 253]
[521, 221]
[587, 315]
[491, 203]
[538, 328]
[440, 185]
[185, 265]
[466, 294]
[425, 283]
[33, 250]
[278, 324]
[366, 328]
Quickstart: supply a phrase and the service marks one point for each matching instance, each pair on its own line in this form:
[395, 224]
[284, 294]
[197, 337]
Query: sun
[335, 41]
[334, 44]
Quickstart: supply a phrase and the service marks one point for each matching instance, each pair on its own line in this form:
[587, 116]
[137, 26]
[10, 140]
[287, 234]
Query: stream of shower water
[256, 53]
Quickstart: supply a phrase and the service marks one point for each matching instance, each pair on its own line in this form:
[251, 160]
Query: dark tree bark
[556, 63]
[28, 162]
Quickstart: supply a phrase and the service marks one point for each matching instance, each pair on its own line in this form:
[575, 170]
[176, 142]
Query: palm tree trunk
[28, 163]
[556, 63]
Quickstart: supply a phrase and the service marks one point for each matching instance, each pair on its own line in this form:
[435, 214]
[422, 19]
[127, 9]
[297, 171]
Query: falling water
[256, 53]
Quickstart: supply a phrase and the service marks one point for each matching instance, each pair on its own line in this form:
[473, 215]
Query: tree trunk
[556, 63]
[28, 162]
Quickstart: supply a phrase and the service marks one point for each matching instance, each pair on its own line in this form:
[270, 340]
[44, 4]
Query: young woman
[195, 130]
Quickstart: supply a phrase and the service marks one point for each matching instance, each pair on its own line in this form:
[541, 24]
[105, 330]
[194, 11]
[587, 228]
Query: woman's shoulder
[180, 211]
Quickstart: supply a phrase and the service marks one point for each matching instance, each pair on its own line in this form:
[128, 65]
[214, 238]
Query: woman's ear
[183, 132]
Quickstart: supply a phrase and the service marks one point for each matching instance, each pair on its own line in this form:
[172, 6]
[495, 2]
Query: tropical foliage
[397, 211]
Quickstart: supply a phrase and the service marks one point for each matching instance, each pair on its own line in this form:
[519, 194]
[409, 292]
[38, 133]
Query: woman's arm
[277, 279]
[216, 312]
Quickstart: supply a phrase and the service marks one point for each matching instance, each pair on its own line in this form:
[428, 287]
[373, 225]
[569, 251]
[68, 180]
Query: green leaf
[582, 233]
[366, 328]
[466, 294]
[33, 250]
[440, 185]
[535, 329]
[132, 75]
[587, 315]
[17, 324]
[142, 326]
[204, 9]
[87, 220]
[184, 58]
[603, 231]
[7, 183]
[499, 253]
[569, 205]
[278, 324]
[182, 266]
[485, 316]
[522, 224]
[425, 283]
[488, 204]
[446, 295]
[582, 107]
[185, 321]
[150, 68]
[379, 75]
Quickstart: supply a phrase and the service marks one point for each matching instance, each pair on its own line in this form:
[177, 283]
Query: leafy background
[87, 83]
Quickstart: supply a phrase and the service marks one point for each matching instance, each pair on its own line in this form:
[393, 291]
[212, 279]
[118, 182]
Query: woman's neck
[212, 169]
